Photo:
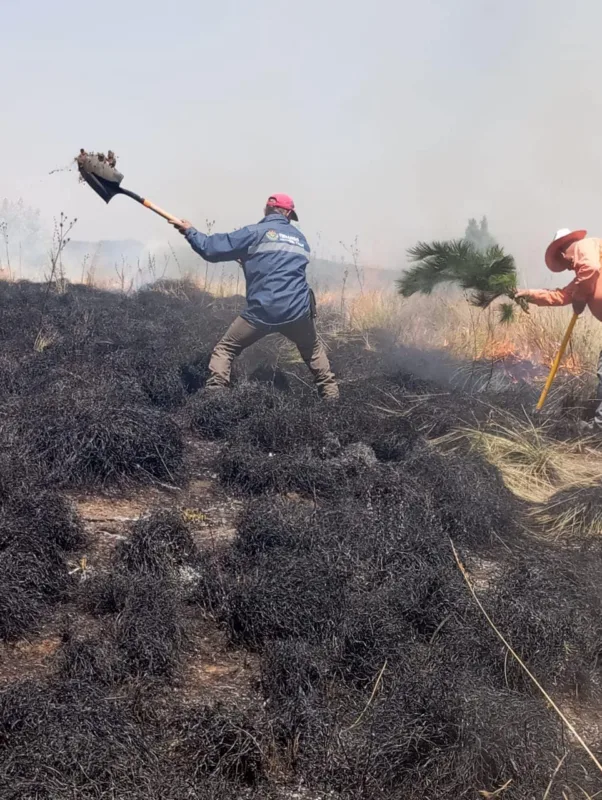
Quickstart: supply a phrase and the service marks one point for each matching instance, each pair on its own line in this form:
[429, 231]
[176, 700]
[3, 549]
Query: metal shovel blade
[100, 176]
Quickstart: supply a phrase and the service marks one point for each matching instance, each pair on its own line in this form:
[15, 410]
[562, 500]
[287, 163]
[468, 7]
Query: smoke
[392, 121]
[522, 145]
[23, 241]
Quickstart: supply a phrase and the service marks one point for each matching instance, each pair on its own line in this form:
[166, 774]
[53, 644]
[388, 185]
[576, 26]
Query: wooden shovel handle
[557, 361]
[148, 204]
[169, 217]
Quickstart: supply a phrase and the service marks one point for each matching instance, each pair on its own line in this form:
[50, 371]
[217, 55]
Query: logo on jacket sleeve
[272, 236]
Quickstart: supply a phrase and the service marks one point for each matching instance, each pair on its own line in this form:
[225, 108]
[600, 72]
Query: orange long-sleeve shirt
[586, 286]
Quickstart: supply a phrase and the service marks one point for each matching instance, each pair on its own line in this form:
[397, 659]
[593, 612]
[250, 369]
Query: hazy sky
[388, 119]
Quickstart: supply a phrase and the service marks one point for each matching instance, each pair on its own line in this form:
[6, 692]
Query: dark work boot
[328, 389]
[216, 384]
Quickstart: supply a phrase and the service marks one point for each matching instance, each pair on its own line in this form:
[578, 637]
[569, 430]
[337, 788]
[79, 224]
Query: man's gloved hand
[181, 225]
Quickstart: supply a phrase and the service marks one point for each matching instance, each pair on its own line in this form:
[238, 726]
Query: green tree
[477, 233]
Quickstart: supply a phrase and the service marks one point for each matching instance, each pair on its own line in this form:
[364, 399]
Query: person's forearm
[196, 240]
[550, 297]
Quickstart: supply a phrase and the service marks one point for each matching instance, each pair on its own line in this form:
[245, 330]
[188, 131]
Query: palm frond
[422, 278]
[482, 298]
[441, 253]
[491, 271]
[485, 275]
[506, 313]
[435, 263]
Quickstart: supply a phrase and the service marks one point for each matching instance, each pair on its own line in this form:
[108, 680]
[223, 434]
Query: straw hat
[563, 238]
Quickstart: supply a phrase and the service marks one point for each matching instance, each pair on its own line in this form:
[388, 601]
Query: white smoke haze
[392, 120]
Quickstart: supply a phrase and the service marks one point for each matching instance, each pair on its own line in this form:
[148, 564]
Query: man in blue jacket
[274, 256]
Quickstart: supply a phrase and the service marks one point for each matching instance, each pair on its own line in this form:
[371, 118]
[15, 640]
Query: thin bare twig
[372, 696]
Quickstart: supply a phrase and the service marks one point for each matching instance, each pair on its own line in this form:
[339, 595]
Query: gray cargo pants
[241, 334]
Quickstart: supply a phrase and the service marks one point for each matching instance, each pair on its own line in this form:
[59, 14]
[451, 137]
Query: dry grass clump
[573, 513]
[534, 466]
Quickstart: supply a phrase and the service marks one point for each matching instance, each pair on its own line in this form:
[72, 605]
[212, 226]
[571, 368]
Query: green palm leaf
[506, 313]
[485, 275]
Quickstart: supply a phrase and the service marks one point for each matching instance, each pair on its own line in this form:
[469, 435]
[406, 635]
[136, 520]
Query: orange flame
[512, 354]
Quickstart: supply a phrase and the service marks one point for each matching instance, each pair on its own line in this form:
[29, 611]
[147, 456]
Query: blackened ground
[38, 529]
[378, 676]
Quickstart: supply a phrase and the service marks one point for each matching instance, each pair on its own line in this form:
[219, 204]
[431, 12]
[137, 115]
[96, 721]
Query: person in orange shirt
[575, 251]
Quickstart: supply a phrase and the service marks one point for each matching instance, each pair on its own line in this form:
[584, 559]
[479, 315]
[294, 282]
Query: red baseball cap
[283, 201]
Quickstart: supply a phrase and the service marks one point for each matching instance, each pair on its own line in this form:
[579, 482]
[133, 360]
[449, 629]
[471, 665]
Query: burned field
[328, 645]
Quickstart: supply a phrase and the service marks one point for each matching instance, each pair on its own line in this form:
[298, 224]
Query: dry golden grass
[44, 340]
[449, 322]
[376, 309]
[533, 466]
[562, 480]
[575, 512]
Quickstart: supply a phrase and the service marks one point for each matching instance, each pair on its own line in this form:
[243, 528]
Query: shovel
[104, 178]
[557, 361]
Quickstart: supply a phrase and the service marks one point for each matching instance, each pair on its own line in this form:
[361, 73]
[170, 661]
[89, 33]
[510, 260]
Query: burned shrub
[158, 544]
[37, 529]
[105, 593]
[394, 446]
[143, 593]
[149, 630]
[292, 669]
[160, 378]
[267, 524]
[148, 624]
[286, 426]
[295, 677]
[349, 570]
[436, 732]
[251, 471]
[378, 628]
[423, 726]
[292, 424]
[549, 607]
[432, 408]
[194, 371]
[280, 597]
[89, 659]
[216, 414]
[88, 438]
[469, 496]
[32, 583]
[73, 739]
[43, 515]
[219, 741]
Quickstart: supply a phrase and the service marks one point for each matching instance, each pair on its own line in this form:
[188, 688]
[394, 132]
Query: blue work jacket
[274, 256]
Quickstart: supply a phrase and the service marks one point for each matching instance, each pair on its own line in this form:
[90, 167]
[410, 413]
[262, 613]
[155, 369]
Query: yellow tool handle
[557, 361]
[161, 213]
